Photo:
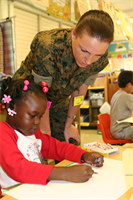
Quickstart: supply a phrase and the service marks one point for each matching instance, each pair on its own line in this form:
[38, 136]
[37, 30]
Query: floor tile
[89, 136]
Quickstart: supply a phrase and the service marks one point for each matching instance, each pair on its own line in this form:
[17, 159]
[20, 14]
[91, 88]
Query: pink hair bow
[6, 98]
[11, 112]
[48, 104]
[26, 82]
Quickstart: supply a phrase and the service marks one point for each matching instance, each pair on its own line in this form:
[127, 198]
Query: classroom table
[126, 196]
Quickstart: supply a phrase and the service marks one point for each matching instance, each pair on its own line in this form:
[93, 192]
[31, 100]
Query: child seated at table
[23, 146]
[122, 107]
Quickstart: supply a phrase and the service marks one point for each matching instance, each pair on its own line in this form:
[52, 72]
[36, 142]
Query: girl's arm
[76, 173]
[15, 165]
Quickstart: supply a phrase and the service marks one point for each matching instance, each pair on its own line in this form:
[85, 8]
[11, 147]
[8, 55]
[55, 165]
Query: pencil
[68, 164]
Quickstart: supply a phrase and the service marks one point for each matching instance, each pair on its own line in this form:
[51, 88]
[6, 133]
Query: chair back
[104, 120]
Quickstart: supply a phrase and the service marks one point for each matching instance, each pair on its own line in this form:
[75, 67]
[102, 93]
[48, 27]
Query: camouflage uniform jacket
[51, 59]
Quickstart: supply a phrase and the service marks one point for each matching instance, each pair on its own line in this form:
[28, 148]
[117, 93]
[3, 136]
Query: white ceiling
[125, 5]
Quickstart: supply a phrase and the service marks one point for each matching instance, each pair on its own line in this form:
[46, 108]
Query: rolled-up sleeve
[91, 79]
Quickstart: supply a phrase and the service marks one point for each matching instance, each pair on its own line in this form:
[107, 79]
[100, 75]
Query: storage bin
[81, 118]
[100, 101]
[97, 102]
[105, 108]
[85, 102]
[94, 102]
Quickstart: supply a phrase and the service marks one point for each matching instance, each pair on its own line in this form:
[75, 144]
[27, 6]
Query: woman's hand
[93, 158]
[75, 173]
[71, 132]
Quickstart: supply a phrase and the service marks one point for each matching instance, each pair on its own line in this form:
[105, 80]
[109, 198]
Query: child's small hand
[93, 158]
[79, 173]
[75, 173]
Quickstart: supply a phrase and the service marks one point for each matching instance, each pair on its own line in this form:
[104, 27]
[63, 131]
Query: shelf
[84, 124]
[95, 106]
[93, 124]
[89, 110]
[95, 88]
[84, 106]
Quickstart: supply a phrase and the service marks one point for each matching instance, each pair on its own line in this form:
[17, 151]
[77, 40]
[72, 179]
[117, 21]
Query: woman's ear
[73, 34]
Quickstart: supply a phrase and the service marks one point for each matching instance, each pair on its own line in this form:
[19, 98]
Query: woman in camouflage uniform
[69, 60]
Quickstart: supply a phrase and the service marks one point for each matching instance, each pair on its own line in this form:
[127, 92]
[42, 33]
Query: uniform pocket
[38, 78]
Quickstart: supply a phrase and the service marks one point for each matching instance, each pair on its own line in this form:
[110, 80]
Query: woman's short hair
[96, 23]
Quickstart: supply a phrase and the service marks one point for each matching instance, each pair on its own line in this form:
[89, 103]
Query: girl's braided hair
[14, 88]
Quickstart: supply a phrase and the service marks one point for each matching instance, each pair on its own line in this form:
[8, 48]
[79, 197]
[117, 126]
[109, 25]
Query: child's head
[125, 79]
[25, 103]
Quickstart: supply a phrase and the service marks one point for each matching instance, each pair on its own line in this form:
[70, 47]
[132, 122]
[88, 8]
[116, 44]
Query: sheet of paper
[127, 161]
[109, 183]
[131, 197]
[129, 120]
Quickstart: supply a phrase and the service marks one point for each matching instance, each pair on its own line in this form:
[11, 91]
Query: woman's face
[87, 49]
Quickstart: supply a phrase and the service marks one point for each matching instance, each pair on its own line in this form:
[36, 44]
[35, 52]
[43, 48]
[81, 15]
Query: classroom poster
[129, 26]
[78, 8]
[73, 19]
[76, 13]
[60, 9]
[118, 47]
[96, 4]
[42, 2]
[121, 18]
[110, 9]
[131, 46]
[83, 6]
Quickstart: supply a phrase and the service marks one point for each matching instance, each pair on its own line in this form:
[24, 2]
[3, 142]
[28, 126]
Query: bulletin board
[60, 9]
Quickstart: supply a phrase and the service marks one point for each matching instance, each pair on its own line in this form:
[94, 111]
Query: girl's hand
[71, 132]
[93, 158]
[75, 173]
[78, 173]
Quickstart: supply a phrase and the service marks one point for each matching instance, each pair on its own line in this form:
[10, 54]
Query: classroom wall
[3, 9]
[30, 20]
[27, 21]
[122, 63]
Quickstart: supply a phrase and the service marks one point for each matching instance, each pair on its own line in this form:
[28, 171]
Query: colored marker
[68, 164]
[109, 145]
[98, 160]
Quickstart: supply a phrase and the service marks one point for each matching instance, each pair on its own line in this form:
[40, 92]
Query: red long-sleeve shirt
[17, 156]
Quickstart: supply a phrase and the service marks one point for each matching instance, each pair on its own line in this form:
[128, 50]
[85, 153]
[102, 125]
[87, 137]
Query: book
[102, 148]
[129, 120]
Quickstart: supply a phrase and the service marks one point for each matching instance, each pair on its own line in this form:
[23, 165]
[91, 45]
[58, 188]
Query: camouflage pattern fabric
[51, 55]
